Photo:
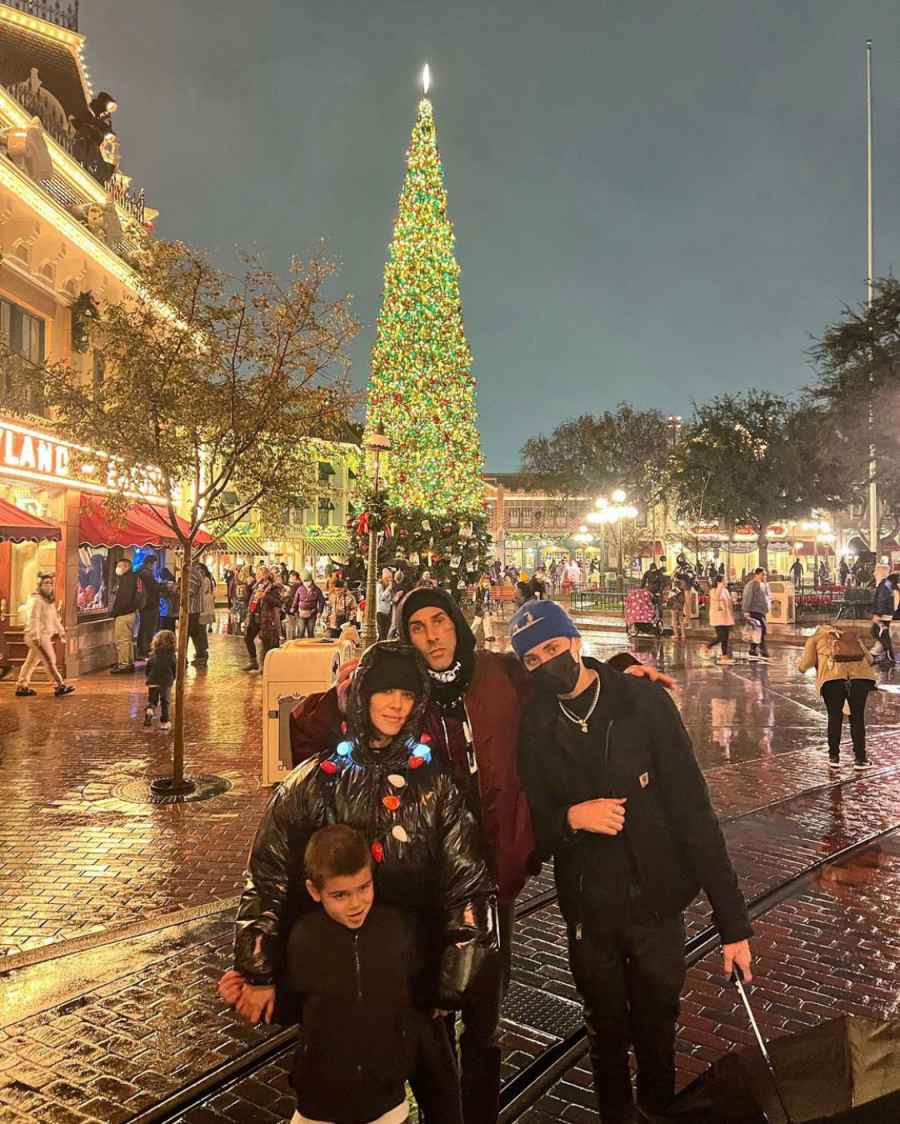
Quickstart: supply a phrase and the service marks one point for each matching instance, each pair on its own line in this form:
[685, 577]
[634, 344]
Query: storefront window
[29, 559]
[93, 579]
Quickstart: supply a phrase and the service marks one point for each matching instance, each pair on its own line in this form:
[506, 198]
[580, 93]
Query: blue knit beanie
[538, 621]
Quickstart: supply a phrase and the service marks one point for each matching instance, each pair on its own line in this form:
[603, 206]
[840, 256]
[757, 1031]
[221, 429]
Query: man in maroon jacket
[473, 719]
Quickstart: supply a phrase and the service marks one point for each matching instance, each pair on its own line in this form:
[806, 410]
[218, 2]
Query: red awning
[98, 528]
[18, 526]
[143, 524]
[156, 516]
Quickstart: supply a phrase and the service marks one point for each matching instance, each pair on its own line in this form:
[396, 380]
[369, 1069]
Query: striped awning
[336, 544]
[240, 544]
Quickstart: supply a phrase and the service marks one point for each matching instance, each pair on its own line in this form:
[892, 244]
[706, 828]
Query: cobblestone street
[105, 1032]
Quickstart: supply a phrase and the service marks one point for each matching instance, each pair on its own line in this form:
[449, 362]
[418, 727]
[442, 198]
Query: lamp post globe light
[615, 512]
[378, 444]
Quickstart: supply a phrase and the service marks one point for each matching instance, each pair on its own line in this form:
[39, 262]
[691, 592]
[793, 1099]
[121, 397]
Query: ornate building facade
[70, 220]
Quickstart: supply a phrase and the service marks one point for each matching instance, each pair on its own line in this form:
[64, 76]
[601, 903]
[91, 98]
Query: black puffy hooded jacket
[426, 844]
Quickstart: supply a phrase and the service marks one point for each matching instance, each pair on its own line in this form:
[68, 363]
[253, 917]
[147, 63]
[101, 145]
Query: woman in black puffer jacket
[426, 844]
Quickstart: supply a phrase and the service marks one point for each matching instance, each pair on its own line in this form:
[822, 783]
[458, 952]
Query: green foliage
[858, 364]
[594, 454]
[221, 383]
[754, 458]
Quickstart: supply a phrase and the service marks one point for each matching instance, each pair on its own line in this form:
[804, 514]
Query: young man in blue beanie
[618, 799]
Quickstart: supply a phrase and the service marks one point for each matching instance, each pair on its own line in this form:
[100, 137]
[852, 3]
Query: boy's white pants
[398, 1115]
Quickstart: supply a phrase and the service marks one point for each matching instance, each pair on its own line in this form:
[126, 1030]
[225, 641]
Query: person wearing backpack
[129, 600]
[844, 675]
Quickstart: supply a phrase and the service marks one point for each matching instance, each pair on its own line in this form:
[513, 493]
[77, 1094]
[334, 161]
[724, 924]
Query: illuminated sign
[31, 455]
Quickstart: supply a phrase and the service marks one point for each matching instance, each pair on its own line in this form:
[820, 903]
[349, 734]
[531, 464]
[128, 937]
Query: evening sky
[653, 201]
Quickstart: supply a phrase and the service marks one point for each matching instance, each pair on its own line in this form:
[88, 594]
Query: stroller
[642, 614]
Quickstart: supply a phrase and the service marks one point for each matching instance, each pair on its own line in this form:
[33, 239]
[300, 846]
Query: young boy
[353, 966]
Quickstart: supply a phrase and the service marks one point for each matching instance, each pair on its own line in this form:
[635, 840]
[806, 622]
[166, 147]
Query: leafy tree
[754, 458]
[216, 385]
[594, 454]
[858, 364]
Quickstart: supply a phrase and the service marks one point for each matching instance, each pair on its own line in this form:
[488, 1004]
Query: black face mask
[559, 676]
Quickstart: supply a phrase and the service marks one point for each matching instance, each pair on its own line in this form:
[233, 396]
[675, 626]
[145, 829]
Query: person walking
[618, 799]
[149, 614]
[757, 604]
[42, 628]
[884, 605]
[796, 573]
[129, 599]
[160, 676]
[845, 676]
[680, 607]
[721, 617]
[309, 602]
[384, 603]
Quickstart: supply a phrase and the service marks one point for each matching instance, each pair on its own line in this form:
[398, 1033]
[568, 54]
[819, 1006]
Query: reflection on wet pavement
[77, 857]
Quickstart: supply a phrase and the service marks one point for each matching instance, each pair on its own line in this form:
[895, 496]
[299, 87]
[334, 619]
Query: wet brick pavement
[110, 1051]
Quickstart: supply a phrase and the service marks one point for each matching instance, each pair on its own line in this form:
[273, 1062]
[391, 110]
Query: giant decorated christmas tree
[421, 391]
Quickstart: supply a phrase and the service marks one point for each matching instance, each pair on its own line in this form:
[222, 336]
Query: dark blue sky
[652, 202]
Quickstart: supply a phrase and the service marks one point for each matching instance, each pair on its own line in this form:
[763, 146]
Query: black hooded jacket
[671, 846]
[427, 845]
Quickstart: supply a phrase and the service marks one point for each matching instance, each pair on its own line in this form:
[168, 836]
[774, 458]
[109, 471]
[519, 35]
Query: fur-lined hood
[359, 727]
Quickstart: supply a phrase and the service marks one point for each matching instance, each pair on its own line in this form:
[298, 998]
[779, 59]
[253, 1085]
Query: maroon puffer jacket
[494, 701]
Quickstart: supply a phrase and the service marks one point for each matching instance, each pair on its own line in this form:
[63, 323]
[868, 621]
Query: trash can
[290, 673]
[783, 602]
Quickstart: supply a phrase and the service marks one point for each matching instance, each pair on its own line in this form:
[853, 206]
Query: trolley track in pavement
[521, 1090]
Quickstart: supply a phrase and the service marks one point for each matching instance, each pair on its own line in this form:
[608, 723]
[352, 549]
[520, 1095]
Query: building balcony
[63, 15]
[81, 144]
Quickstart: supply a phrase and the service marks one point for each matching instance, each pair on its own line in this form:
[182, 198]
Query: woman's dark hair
[294, 574]
[333, 852]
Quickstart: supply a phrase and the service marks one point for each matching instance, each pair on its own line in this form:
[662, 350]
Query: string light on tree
[422, 391]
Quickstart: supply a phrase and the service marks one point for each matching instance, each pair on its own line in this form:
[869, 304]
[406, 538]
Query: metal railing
[63, 15]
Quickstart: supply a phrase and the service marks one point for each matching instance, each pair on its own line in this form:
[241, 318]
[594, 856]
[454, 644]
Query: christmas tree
[422, 391]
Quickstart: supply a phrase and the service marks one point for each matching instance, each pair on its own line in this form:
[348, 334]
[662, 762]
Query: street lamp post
[615, 512]
[376, 443]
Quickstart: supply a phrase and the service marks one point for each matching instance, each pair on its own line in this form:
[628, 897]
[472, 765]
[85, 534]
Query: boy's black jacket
[671, 846]
[359, 1025]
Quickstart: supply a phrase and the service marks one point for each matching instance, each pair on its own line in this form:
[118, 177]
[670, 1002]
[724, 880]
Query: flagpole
[874, 522]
